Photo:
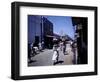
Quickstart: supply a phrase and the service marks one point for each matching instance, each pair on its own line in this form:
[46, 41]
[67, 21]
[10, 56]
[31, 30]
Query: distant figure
[40, 46]
[68, 49]
[33, 51]
[74, 47]
[61, 45]
[36, 49]
[64, 47]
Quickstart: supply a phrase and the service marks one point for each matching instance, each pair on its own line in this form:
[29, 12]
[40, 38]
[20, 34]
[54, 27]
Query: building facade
[80, 26]
[48, 33]
[34, 29]
[40, 29]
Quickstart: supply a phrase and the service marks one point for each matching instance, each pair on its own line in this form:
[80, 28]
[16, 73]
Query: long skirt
[54, 57]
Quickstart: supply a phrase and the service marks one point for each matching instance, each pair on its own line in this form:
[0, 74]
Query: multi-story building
[40, 29]
[80, 26]
[48, 32]
[34, 29]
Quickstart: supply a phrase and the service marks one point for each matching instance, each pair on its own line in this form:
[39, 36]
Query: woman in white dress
[55, 56]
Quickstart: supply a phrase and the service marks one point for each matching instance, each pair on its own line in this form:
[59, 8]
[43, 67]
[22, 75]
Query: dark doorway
[48, 42]
[36, 41]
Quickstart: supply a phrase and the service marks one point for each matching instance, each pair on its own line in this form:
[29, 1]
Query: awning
[49, 36]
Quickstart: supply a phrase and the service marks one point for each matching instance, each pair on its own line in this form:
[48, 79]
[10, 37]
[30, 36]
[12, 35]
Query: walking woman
[55, 56]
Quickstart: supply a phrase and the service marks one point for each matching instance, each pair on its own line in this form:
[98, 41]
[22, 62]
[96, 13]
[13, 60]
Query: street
[45, 58]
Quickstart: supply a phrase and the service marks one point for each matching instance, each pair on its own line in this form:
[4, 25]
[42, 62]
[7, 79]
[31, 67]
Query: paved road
[45, 58]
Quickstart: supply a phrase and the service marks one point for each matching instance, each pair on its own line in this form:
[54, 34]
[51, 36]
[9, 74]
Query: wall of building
[40, 29]
[48, 33]
[34, 28]
[81, 31]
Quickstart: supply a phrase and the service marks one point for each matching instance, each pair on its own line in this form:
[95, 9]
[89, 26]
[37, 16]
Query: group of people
[64, 46]
[34, 49]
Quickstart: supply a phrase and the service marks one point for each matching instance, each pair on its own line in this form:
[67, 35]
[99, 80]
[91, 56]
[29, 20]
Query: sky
[62, 25]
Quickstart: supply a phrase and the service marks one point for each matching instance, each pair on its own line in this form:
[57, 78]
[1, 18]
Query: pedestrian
[64, 47]
[68, 48]
[61, 45]
[40, 46]
[33, 51]
[74, 48]
[55, 56]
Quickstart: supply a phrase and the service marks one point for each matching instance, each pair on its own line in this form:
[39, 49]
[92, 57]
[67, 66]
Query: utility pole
[41, 28]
